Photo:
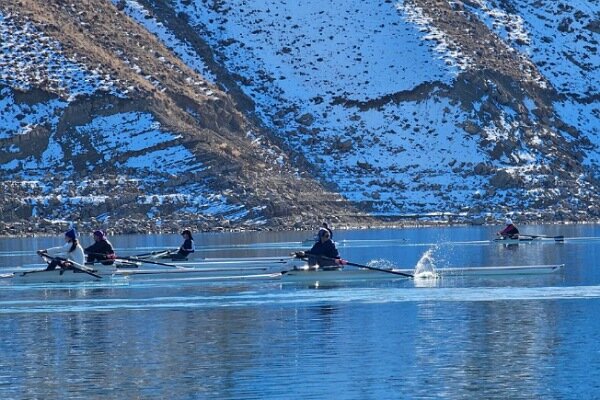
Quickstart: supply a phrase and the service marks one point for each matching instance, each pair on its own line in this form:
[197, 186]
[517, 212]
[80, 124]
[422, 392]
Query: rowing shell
[53, 276]
[207, 269]
[280, 262]
[106, 273]
[529, 239]
[71, 276]
[303, 274]
[237, 262]
[504, 270]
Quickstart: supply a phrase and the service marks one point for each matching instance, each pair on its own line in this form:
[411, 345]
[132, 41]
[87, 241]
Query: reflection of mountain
[180, 108]
[158, 354]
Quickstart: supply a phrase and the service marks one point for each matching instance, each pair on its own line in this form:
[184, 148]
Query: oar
[344, 262]
[131, 259]
[559, 238]
[74, 265]
[154, 253]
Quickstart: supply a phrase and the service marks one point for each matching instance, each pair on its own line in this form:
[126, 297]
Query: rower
[323, 254]
[510, 231]
[71, 250]
[101, 250]
[186, 248]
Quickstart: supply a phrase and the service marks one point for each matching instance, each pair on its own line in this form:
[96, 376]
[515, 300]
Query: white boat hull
[526, 240]
[54, 276]
[302, 275]
[502, 270]
[367, 274]
[215, 269]
[266, 262]
[207, 268]
[106, 274]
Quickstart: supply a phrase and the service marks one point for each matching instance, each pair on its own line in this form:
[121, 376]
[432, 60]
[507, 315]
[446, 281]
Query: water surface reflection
[452, 338]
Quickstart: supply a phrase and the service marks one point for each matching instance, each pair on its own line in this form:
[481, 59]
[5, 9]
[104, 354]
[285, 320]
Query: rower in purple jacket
[510, 231]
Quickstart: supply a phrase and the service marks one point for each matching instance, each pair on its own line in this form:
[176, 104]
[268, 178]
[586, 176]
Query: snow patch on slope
[558, 38]
[306, 49]
[120, 134]
[308, 65]
[183, 50]
[510, 27]
[554, 36]
[454, 58]
[30, 59]
[20, 119]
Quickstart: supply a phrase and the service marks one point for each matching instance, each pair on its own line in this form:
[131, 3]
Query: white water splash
[381, 264]
[425, 268]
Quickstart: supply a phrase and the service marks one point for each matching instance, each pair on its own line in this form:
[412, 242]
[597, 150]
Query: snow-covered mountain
[419, 106]
[244, 110]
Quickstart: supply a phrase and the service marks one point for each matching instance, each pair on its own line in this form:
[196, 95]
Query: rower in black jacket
[101, 251]
[323, 253]
[186, 248]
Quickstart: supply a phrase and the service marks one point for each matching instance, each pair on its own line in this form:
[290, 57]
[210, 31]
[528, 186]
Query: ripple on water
[372, 295]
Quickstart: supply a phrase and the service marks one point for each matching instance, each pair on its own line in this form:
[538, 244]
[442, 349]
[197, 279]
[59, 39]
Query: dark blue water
[504, 337]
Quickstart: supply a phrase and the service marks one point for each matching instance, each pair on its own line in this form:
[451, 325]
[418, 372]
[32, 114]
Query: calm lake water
[529, 337]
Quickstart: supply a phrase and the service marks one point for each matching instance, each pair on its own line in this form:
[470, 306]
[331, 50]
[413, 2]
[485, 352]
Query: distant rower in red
[510, 231]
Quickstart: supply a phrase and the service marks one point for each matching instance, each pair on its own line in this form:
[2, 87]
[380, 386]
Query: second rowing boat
[305, 274]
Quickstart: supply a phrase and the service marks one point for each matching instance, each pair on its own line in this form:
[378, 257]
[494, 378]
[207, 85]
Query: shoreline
[134, 227]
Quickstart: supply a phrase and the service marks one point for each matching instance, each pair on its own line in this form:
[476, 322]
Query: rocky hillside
[100, 120]
[258, 112]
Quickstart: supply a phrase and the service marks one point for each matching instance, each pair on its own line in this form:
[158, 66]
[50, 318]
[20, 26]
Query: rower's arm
[58, 250]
